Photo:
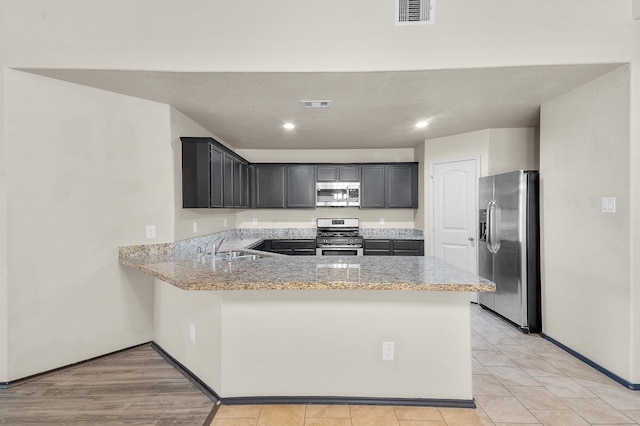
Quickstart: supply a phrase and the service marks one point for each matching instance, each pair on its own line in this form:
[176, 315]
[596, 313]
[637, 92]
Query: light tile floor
[517, 379]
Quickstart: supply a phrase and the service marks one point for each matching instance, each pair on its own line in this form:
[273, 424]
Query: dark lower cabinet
[377, 247]
[289, 247]
[393, 247]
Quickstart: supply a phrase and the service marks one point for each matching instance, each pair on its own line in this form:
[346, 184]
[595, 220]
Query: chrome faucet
[217, 244]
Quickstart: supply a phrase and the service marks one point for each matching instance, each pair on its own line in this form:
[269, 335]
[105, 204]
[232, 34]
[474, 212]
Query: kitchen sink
[237, 256]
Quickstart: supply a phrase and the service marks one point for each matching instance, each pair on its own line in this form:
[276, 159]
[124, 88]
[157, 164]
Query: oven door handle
[323, 246]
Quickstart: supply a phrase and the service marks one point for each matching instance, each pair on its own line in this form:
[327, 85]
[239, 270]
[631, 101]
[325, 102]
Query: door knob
[471, 239]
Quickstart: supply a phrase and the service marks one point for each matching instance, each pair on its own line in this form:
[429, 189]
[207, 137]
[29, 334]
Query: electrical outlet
[608, 204]
[151, 231]
[388, 351]
[382, 221]
[195, 227]
[254, 221]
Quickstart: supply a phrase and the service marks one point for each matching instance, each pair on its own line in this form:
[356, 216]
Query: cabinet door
[408, 247]
[327, 173]
[372, 186]
[227, 187]
[348, 173]
[245, 186]
[195, 173]
[377, 247]
[217, 176]
[402, 186]
[237, 183]
[269, 189]
[301, 186]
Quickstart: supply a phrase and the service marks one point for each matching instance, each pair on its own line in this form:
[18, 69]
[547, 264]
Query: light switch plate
[608, 204]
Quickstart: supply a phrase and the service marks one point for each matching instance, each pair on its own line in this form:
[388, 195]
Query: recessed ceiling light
[421, 124]
[289, 126]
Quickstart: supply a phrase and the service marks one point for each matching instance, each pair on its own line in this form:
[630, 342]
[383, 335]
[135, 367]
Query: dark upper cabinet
[301, 186]
[389, 185]
[372, 186]
[402, 186]
[227, 181]
[240, 184]
[338, 173]
[212, 175]
[269, 186]
[195, 175]
[284, 186]
[246, 186]
[217, 175]
[349, 173]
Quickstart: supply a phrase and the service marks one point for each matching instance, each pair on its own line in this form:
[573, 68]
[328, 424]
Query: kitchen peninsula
[314, 327]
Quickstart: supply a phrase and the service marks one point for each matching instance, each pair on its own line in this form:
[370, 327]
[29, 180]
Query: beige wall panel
[86, 172]
[584, 156]
[355, 35]
[513, 149]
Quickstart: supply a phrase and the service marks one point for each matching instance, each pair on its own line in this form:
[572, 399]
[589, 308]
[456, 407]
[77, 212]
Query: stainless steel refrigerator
[509, 246]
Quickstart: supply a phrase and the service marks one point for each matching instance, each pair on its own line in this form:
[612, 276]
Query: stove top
[338, 232]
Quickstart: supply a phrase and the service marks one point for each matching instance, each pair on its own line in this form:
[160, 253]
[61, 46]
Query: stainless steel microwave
[338, 194]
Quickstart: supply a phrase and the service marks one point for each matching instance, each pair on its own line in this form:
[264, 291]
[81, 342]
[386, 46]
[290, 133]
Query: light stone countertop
[277, 272]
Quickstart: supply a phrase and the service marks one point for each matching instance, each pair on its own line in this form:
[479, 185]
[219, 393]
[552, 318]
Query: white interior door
[454, 207]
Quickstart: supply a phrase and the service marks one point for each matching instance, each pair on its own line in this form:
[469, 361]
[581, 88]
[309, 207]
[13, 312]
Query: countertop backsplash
[243, 237]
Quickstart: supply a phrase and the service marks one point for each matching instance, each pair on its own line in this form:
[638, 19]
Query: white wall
[187, 324]
[307, 343]
[86, 172]
[208, 220]
[513, 149]
[634, 160]
[584, 155]
[326, 155]
[4, 298]
[328, 35]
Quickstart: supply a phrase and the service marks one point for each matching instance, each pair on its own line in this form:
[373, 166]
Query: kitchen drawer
[293, 244]
[376, 252]
[377, 245]
[408, 247]
[407, 244]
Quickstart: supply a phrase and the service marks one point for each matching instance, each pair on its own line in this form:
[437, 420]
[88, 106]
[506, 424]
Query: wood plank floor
[134, 387]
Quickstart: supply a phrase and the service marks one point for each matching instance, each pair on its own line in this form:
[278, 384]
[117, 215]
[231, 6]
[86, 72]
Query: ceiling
[369, 109]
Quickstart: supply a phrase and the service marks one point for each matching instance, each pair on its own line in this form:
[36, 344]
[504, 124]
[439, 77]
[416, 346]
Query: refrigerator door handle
[489, 227]
[495, 227]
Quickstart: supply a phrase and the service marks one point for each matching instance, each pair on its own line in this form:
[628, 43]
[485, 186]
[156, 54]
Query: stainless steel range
[339, 237]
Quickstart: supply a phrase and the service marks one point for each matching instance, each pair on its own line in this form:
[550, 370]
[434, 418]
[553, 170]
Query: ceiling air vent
[414, 11]
[315, 104]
